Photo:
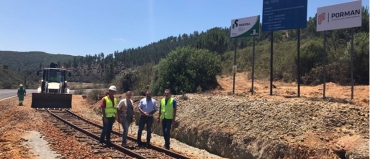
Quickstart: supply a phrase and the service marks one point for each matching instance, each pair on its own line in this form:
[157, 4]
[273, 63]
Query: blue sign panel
[284, 14]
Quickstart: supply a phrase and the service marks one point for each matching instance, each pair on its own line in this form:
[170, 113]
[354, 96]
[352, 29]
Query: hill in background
[9, 79]
[129, 66]
[22, 66]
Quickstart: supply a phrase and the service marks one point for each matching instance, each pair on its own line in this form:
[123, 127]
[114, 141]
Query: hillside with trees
[137, 68]
[10, 79]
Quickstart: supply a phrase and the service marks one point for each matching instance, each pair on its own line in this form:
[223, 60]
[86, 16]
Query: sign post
[234, 66]
[244, 27]
[252, 89]
[299, 61]
[324, 68]
[339, 16]
[283, 15]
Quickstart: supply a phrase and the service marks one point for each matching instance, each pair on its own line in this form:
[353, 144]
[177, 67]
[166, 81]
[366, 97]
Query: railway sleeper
[102, 151]
[117, 156]
[142, 151]
[80, 136]
[75, 122]
[83, 140]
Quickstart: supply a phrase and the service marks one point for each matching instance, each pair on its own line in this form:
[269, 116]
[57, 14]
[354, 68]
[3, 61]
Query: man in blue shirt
[147, 107]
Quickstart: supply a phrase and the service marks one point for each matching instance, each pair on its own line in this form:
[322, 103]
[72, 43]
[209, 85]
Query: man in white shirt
[147, 107]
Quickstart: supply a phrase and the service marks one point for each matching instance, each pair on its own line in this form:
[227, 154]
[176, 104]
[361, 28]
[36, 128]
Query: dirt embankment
[272, 126]
[238, 127]
[235, 126]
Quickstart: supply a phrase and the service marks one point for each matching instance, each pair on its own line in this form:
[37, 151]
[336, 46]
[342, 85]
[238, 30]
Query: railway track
[89, 132]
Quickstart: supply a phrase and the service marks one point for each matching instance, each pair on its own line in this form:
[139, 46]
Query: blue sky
[81, 27]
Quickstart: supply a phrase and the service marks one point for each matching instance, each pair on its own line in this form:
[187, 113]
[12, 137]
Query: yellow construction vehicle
[53, 92]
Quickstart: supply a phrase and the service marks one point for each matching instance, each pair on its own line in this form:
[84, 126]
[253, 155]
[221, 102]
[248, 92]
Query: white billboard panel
[245, 27]
[345, 15]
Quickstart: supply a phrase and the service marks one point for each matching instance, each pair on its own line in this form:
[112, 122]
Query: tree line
[217, 41]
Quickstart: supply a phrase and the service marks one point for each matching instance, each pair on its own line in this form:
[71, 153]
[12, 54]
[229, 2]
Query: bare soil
[333, 91]
[17, 121]
[234, 126]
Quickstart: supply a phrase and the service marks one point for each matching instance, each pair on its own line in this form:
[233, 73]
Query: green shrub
[96, 95]
[185, 69]
[360, 58]
[128, 81]
[311, 55]
[7, 85]
[79, 91]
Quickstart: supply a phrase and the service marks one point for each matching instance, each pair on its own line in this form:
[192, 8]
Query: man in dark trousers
[167, 112]
[109, 111]
[147, 107]
[21, 93]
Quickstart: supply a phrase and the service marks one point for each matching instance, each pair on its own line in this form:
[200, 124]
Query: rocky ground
[18, 121]
[239, 127]
[91, 111]
[232, 126]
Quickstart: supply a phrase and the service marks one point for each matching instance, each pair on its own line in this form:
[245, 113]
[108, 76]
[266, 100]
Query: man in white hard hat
[109, 111]
[21, 93]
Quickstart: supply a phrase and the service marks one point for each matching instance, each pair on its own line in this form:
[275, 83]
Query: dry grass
[333, 92]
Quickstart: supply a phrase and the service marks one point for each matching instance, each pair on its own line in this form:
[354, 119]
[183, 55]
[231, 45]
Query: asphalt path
[10, 93]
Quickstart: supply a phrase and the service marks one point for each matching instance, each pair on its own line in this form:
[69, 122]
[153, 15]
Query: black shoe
[147, 145]
[166, 147]
[139, 144]
[109, 144]
[124, 145]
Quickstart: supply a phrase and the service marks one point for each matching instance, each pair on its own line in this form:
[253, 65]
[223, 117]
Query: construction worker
[147, 107]
[167, 112]
[21, 93]
[109, 110]
[125, 111]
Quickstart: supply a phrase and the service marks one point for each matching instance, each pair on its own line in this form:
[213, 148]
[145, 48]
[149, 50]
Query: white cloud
[120, 40]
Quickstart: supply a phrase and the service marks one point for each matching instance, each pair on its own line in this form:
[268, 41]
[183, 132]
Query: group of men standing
[123, 112]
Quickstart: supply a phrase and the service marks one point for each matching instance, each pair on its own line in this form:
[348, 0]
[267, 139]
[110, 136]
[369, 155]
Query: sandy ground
[39, 146]
[16, 141]
[333, 91]
[17, 121]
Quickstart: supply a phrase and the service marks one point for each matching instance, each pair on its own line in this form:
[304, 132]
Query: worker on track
[109, 111]
[167, 112]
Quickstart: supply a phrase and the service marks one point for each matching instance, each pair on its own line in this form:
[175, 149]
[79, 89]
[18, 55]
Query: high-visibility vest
[167, 109]
[110, 109]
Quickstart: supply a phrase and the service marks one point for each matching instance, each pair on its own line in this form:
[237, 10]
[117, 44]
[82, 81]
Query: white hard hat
[113, 88]
[20, 85]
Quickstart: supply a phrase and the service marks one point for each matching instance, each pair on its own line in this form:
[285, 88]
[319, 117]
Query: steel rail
[156, 148]
[122, 149]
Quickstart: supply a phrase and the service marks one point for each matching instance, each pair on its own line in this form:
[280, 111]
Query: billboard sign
[345, 15]
[245, 27]
[284, 14]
